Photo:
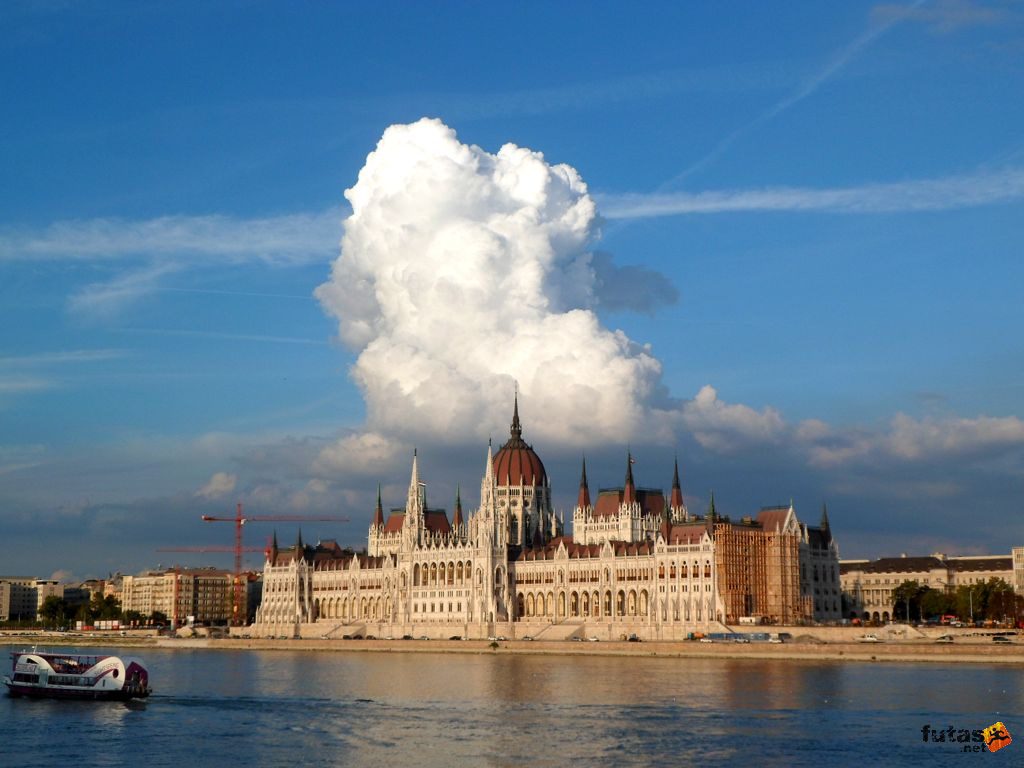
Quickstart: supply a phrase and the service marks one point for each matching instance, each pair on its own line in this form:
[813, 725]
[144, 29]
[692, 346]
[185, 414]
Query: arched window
[416, 575]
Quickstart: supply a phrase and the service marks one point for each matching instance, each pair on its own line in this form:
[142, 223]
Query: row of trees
[993, 599]
[58, 612]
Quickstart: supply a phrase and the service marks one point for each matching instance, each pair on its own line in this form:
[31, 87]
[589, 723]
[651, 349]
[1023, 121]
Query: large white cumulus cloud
[462, 271]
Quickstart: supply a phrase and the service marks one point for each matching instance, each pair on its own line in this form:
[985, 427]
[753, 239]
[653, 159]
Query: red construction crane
[238, 613]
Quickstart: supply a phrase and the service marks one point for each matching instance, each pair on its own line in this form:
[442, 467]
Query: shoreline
[918, 651]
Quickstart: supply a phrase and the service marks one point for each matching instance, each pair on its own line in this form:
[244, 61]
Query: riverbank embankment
[978, 649]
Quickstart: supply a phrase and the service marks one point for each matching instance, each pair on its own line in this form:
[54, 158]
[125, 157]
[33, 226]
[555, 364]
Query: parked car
[1001, 639]
[868, 639]
[944, 639]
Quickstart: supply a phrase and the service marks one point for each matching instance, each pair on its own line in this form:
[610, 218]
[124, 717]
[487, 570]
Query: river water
[283, 708]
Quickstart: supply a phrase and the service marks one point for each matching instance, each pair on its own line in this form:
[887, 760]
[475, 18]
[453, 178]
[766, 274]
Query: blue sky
[810, 213]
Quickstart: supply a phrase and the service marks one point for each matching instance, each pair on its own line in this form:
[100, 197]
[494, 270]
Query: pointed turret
[457, 517]
[712, 515]
[300, 548]
[676, 499]
[629, 490]
[378, 513]
[583, 500]
[825, 529]
[273, 549]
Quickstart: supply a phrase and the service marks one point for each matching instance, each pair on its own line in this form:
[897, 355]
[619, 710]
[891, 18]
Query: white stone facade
[638, 564]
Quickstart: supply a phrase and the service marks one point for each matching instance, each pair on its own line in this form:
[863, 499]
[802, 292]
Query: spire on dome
[516, 430]
[300, 548]
[824, 517]
[676, 499]
[583, 500]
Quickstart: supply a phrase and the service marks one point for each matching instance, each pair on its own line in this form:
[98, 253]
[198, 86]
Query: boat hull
[16, 690]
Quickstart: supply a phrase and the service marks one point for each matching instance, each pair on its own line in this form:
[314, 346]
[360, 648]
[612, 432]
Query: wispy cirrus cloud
[23, 374]
[940, 194]
[106, 299]
[298, 238]
[13, 384]
[61, 357]
[944, 16]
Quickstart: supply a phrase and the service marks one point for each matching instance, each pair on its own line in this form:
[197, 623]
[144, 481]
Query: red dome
[516, 463]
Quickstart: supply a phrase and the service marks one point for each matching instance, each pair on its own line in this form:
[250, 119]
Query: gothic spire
[378, 514]
[712, 514]
[489, 466]
[517, 429]
[583, 500]
[457, 517]
[629, 491]
[676, 499]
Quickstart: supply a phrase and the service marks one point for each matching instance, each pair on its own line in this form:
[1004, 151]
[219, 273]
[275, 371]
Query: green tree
[104, 607]
[935, 603]
[907, 596]
[53, 611]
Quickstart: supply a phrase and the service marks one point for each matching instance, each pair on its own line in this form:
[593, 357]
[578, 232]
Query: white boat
[76, 676]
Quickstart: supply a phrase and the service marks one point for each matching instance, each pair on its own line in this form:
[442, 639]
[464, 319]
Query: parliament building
[638, 562]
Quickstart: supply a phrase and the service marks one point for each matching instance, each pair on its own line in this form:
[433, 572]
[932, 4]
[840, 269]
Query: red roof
[436, 521]
[687, 533]
[773, 518]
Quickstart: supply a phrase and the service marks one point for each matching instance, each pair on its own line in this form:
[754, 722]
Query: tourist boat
[74, 676]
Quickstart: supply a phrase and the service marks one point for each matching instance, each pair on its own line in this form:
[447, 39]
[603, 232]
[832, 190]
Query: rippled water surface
[282, 708]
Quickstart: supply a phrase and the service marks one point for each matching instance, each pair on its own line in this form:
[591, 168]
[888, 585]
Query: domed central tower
[523, 491]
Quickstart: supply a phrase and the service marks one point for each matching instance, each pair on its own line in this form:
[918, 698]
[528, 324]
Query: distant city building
[17, 598]
[868, 584]
[197, 594]
[1018, 570]
[637, 562]
[47, 588]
